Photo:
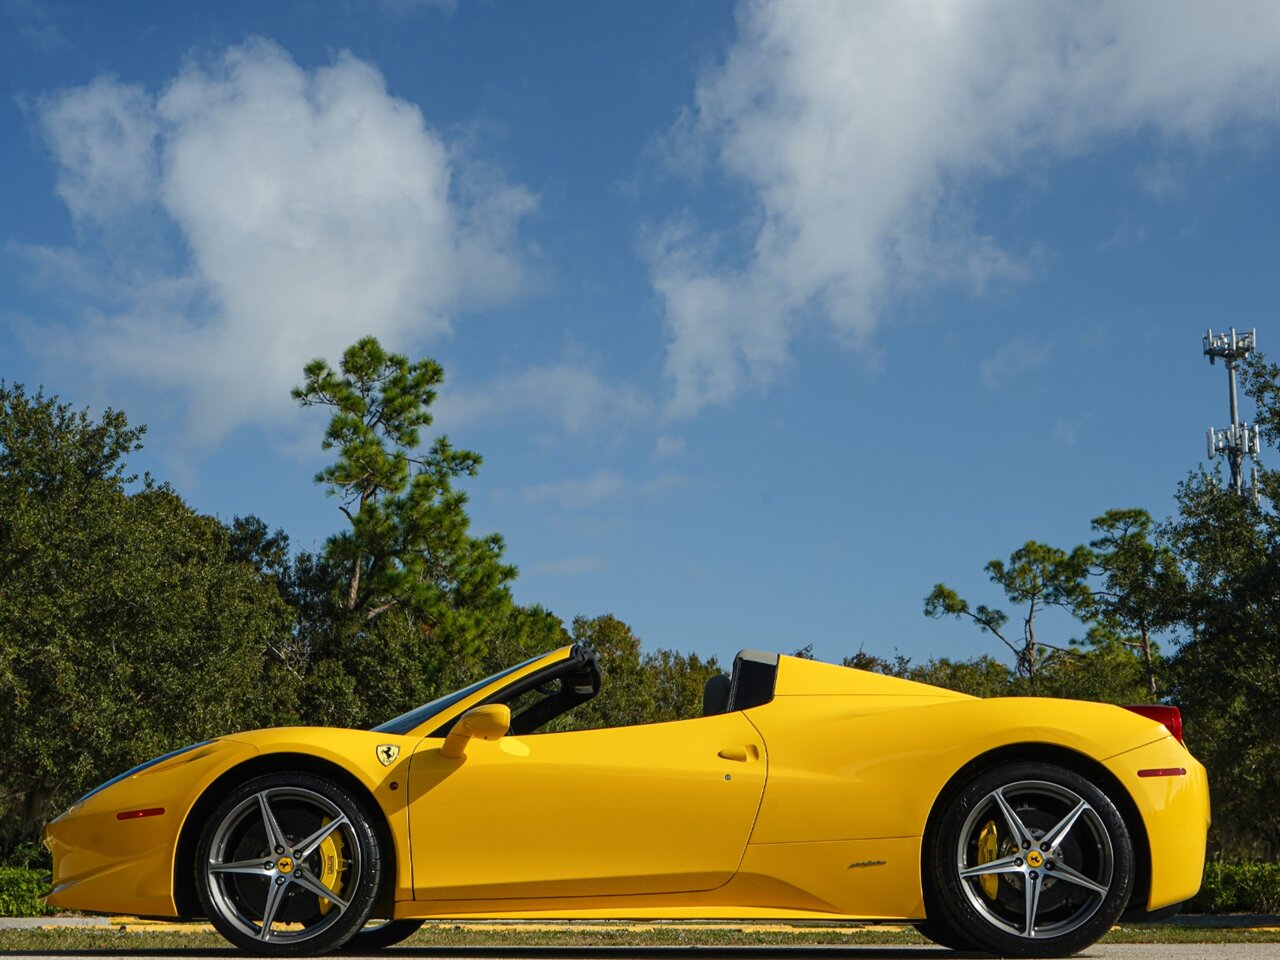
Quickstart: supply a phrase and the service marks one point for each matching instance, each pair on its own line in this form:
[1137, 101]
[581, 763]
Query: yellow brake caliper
[332, 865]
[988, 849]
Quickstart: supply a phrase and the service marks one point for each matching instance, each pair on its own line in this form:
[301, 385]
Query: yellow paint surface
[810, 807]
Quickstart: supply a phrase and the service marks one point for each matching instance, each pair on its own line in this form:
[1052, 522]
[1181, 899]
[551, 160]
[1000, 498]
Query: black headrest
[715, 695]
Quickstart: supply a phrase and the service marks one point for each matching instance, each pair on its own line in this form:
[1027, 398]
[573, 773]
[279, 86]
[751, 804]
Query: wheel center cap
[1034, 859]
[285, 865]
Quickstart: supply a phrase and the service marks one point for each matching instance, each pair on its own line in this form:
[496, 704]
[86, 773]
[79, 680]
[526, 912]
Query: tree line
[131, 624]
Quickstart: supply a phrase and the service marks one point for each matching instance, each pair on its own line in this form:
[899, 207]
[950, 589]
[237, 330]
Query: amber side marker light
[139, 814]
[1171, 717]
[1164, 772]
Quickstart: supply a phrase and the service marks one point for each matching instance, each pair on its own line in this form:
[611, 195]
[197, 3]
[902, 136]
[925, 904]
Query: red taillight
[1171, 717]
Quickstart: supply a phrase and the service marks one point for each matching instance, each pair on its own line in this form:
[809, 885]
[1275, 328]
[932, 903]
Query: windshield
[406, 722]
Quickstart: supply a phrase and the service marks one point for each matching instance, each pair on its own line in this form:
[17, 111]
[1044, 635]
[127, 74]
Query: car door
[658, 808]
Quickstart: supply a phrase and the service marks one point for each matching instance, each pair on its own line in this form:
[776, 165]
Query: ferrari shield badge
[387, 753]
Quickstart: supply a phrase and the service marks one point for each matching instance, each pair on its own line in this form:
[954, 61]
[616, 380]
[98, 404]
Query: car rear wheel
[288, 865]
[1029, 860]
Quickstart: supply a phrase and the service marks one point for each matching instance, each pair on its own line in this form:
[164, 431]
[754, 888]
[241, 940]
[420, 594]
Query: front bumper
[105, 864]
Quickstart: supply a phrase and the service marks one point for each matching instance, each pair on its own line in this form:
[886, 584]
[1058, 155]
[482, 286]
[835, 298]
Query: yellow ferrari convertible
[1018, 826]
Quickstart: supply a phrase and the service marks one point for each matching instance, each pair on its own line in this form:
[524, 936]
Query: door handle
[740, 754]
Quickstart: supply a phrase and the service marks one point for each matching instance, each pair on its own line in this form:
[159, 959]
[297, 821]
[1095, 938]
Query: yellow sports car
[806, 791]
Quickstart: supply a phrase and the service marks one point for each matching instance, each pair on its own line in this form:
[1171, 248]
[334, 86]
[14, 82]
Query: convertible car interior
[541, 697]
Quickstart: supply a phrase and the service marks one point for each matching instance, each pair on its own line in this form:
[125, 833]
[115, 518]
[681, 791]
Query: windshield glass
[415, 717]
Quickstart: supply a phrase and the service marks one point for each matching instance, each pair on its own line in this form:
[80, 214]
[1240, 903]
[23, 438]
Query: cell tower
[1238, 440]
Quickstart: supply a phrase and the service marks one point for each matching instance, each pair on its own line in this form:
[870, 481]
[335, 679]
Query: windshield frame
[442, 710]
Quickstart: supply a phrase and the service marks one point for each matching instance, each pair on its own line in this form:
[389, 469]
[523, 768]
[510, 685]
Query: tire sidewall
[362, 899]
[944, 936]
[945, 891]
[381, 937]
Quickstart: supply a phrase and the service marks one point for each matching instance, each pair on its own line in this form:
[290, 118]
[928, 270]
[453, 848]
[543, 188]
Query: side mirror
[489, 722]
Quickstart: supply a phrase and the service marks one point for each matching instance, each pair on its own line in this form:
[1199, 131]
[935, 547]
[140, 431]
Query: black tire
[268, 851]
[377, 936]
[1028, 860]
[945, 937]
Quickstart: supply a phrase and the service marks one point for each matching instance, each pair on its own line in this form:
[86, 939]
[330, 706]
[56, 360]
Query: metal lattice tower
[1237, 441]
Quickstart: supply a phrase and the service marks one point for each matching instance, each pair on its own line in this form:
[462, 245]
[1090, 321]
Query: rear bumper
[1175, 813]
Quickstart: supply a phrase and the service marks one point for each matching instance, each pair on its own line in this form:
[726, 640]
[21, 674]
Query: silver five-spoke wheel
[1036, 859]
[287, 865]
[1027, 859]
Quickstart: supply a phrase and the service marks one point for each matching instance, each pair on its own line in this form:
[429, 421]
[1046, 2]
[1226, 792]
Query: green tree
[517, 635]
[636, 687]
[874, 663]
[393, 664]
[405, 599]
[1037, 576]
[980, 677]
[128, 623]
[1101, 667]
[1105, 672]
[1225, 674]
[1262, 384]
[408, 543]
[1140, 587]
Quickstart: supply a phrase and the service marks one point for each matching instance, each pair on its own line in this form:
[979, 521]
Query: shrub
[1249, 886]
[21, 892]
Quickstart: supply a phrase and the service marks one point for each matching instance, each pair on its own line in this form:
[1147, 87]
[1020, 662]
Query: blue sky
[765, 318]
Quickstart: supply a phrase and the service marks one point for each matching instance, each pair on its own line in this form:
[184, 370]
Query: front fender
[114, 851]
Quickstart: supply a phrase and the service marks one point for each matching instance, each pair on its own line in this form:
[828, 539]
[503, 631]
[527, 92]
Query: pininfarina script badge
[387, 753]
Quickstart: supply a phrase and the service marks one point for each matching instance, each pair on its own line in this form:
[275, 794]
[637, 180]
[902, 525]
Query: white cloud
[577, 397]
[578, 494]
[36, 25]
[1128, 233]
[664, 482]
[857, 129]
[104, 137]
[1066, 432]
[1160, 179]
[665, 447]
[1012, 360]
[604, 484]
[316, 207]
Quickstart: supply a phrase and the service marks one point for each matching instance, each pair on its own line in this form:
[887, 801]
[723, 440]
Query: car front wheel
[380, 934]
[288, 865]
[1029, 860]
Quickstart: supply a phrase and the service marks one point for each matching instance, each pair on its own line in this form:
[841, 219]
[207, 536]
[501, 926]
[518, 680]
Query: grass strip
[80, 938]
